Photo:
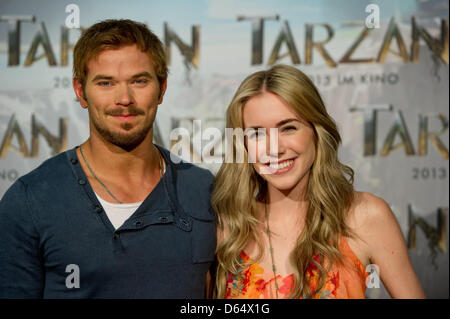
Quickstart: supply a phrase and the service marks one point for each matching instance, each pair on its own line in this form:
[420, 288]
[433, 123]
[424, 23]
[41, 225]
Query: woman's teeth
[281, 165]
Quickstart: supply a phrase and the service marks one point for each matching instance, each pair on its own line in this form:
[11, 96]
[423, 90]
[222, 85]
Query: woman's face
[286, 163]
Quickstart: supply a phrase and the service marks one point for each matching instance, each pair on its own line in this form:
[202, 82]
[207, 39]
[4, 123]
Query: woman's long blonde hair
[238, 188]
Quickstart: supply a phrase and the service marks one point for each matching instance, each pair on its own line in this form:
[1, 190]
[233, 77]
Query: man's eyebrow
[109, 78]
[101, 77]
[142, 74]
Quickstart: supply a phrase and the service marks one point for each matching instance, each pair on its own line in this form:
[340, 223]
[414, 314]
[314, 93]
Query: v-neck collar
[162, 200]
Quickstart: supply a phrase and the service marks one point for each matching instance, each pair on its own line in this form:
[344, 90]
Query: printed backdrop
[386, 85]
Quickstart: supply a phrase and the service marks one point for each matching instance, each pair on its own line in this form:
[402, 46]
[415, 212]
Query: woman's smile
[280, 167]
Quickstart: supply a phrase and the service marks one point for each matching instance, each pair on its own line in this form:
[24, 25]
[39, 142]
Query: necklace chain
[271, 251]
[104, 186]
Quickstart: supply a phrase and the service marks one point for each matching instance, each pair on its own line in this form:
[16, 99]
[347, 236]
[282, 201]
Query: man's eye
[104, 83]
[141, 81]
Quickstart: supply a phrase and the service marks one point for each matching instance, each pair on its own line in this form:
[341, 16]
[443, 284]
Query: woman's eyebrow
[281, 123]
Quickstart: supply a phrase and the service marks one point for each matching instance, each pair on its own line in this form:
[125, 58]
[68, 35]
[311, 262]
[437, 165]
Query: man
[114, 217]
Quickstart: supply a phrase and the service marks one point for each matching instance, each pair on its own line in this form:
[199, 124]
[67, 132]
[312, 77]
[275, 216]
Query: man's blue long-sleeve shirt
[51, 222]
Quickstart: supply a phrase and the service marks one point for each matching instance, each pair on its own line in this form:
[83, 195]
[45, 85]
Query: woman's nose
[275, 144]
[274, 147]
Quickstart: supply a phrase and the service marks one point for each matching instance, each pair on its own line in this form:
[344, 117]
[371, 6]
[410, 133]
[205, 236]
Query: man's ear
[79, 92]
[162, 91]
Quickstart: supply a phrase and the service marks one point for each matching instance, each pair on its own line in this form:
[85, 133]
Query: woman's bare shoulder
[367, 209]
[384, 245]
[371, 218]
[368, 217]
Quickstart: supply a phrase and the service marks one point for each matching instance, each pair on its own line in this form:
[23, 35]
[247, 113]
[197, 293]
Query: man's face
[122, 94]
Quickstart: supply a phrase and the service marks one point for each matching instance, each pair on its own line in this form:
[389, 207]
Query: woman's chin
[282, 186]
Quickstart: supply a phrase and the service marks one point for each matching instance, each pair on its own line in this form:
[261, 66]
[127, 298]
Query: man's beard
[128, 142]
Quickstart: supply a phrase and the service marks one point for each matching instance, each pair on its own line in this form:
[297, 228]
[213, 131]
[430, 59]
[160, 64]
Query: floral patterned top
[344, 281]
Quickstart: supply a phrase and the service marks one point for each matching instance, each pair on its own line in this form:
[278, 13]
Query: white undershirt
[118, 213]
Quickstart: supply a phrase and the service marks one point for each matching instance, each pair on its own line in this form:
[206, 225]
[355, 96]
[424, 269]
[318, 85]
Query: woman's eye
[257, 134]
[289, 128]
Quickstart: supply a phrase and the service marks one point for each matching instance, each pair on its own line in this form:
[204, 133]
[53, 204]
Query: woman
[290, 223]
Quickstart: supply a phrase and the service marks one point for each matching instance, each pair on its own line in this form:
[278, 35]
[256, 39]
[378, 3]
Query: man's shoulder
[48, 170]
[187, 172]
[43, 183]
[193, 186]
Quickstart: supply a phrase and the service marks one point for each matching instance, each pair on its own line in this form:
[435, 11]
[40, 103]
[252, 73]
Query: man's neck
[129, 175]
[106, 156]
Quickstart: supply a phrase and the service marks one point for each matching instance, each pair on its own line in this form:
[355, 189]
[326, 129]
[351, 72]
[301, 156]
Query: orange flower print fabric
[344, 281]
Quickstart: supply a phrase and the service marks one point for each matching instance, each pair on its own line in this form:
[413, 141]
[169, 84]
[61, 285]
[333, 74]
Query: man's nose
[124, 95]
